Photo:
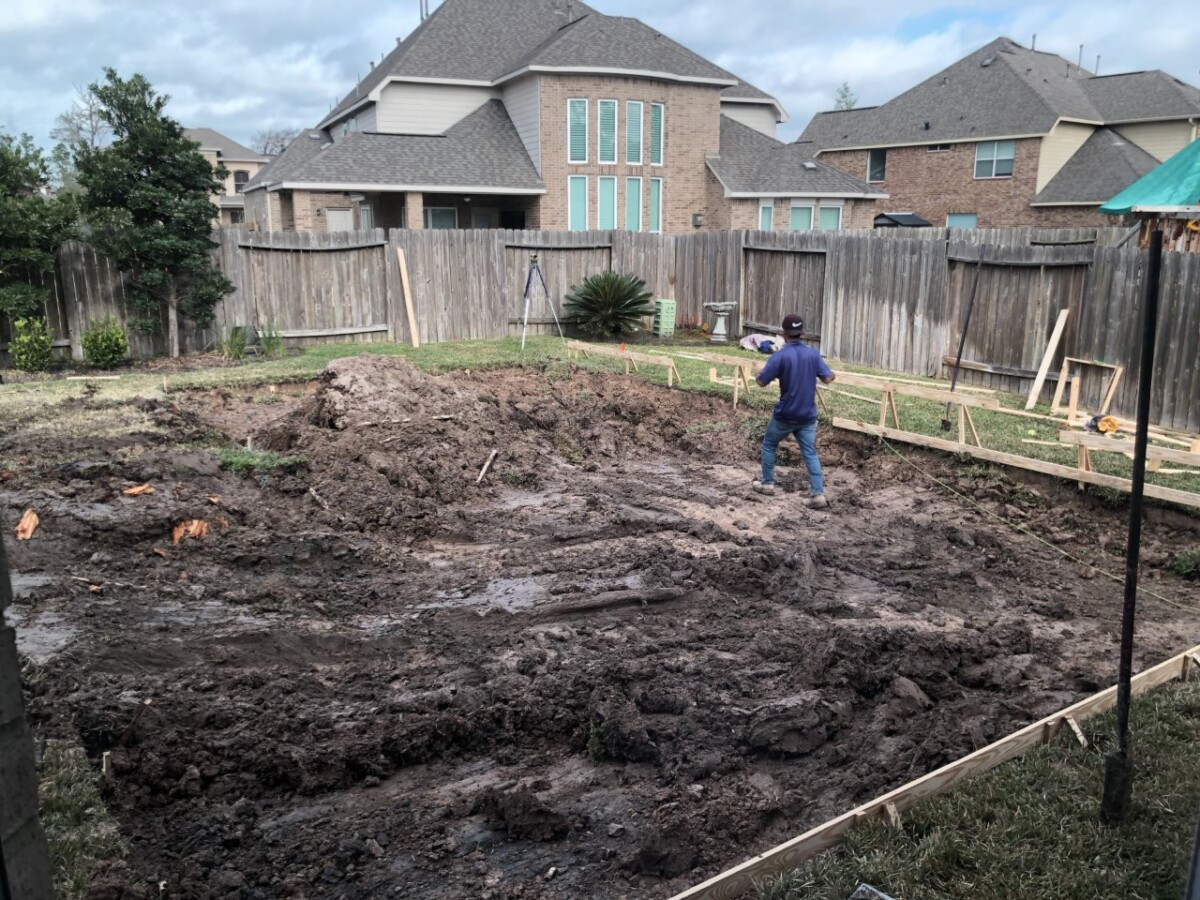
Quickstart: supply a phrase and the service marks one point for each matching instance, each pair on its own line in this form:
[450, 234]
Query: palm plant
[609, 304]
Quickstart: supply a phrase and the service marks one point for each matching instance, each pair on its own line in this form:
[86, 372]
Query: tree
[81, 124]
[33, 224]
[149, 201]
[273, 141]
[846, 98]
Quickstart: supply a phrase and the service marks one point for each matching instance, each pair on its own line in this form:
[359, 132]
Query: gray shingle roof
[753, 163]
[1104, 166]
[482, 151]
[1002, 89]
[227, 147]
[292, 160]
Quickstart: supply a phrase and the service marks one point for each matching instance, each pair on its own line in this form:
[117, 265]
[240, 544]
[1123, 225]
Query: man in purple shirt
[797, 367]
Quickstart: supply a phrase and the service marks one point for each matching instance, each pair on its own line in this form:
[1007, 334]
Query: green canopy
[1173, 186]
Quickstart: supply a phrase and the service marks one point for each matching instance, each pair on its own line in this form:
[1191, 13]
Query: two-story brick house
[242, 164]
[548, 114]
[1009, 136]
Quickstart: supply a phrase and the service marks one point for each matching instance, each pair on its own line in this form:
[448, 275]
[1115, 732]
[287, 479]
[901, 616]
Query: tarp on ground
[1174, 184]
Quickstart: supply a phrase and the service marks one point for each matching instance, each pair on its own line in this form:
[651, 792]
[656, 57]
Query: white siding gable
[1162, 140]
[1064, 139]
[759, 116]
[523, 102]
[427, 108]
[367, 120]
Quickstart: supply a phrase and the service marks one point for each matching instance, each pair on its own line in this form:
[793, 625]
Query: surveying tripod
[534, 268]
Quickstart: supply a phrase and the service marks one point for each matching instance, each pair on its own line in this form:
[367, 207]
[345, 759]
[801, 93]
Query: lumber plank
[408, 300]
[1118, 445]
[332, 332]
[1047, 358]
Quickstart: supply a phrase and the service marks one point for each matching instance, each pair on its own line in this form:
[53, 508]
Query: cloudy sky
[241, 66]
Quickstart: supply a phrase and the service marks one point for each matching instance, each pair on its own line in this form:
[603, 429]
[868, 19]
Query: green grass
[1030, 828]
[1187, 564]
[79, 829]
[257, 462]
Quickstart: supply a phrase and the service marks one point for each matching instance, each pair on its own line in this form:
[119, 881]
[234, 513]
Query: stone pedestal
[720, 334]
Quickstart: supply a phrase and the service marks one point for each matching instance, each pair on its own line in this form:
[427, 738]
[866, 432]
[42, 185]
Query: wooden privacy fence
[896, 300]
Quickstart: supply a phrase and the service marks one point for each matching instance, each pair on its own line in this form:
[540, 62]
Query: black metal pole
[1118, 766]
[1192, 891]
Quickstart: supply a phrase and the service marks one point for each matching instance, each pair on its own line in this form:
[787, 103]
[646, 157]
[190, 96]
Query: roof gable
[1104, 165]
[208, 139]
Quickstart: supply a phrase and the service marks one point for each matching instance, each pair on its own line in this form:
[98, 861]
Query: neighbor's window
[633, 132]
[766, 215]
[801, 218]
[994, 159]
[656, 205]
[606, 149]
[633, 204]
[938, 148]
[577, 203]
[577, 131]
[240, 177]
[237, 216]
[656, 134]
[606, 203]
[366, 219]
[962, 220]
[829, 218]
[441, 217]
[876, 165]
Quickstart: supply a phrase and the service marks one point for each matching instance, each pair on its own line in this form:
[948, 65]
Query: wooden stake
[1047, 358]
[971, 423]
[106, 765]
[893, 814]
[1077, 731]
[487, 465]
[408, 301]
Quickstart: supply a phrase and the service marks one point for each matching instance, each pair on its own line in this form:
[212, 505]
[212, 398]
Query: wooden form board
[1118, 445]
[1072, 409]
[413, 332]
[739, 880]
[333, 332]
[1047, 358]
[631, 358]
[1170, 495]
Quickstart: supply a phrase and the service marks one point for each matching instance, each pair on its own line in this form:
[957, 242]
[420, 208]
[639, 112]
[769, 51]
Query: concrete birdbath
[720, 334]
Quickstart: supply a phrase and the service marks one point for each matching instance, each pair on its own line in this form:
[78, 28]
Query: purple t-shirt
[797, 366]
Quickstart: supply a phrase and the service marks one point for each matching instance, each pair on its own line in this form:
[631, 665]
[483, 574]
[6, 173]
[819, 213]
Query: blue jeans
[806, 437]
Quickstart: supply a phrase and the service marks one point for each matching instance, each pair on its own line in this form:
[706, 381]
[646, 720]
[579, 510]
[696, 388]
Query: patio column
[414, 211]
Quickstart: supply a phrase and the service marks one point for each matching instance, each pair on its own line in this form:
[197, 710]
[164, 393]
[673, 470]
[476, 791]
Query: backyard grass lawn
[1030, 828]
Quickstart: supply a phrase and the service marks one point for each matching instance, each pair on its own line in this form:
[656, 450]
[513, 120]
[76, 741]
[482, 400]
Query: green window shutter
[633, 204]
[606, 204]
[801, 219]
[577, 126]
[606, 152]
[766, 217]
[830, 218]
[656, 134]
[633, 132]
[656, 205]
[577, 213]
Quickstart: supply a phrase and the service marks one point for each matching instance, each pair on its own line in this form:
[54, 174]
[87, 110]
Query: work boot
[817, 501]
[761, 488]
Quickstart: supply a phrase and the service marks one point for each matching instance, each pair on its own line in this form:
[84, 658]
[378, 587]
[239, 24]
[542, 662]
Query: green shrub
[609, 304]
[104, 343]
[234, 345]
[31, 344]
[1187, 564]
[22, 301]
[257, 462]
[271, 341]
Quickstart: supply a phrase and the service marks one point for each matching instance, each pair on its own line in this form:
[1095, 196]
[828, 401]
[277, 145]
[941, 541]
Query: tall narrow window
[577, 203]
[876, 165]
[633, 132]
[829, 218]
[801, 218]
[577, 131]
[766, 215]
[606, 203]
[633, 204]
[656, 186]
[606, 151]
[656, 134]
[240, 178]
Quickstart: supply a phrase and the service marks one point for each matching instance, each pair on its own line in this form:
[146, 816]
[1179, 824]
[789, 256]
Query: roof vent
[925, 126]
[987, 62]
[810, 165]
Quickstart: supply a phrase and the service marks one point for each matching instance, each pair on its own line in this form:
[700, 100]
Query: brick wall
[280, 203]
[691, 127]
[21, 835]
[744, 214]
[933, 185]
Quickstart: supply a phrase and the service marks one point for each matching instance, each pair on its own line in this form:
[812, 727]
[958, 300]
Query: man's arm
[828, 379]
[769, 372]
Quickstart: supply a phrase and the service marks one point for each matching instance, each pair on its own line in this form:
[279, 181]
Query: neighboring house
[1011, 137]
[242, 162]
[547, 114]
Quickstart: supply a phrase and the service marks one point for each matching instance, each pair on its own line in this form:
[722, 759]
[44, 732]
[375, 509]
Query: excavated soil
[607, 670]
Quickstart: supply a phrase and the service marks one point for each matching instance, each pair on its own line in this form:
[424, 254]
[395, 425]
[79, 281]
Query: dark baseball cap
[793, 325]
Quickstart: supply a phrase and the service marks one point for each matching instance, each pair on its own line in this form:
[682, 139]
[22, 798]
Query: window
[354, 124]
[577, 131]
[656, 134]
[606, 204]
[237, 216]
[339, 219]
[577, 203]
[829, 218]
[656, 185]
[606, 150]
[994, 159]
[240, 177]
[441, 217]
[962, 220]
[633, 132]
[876, 165]
[766, 215]
[366, 220]
[938, 148]
[801, 218]
[633, 204]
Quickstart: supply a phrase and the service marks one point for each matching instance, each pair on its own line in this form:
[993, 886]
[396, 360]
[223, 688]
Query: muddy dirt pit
[608, 670]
